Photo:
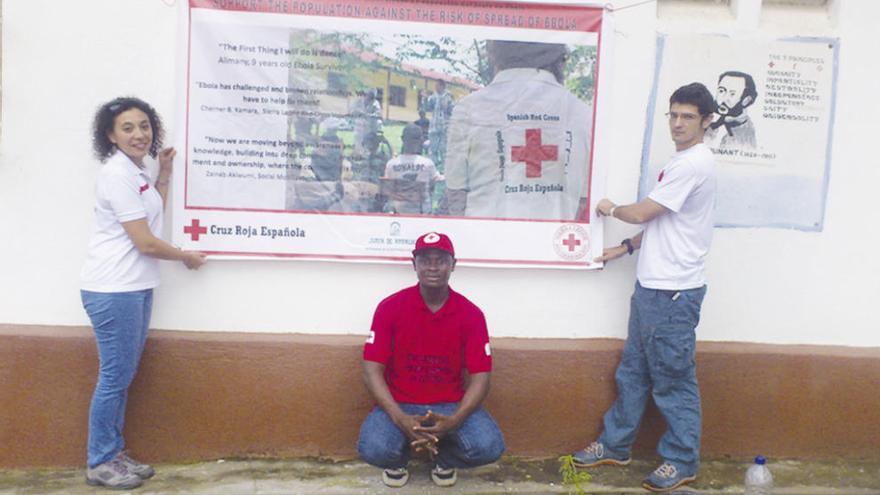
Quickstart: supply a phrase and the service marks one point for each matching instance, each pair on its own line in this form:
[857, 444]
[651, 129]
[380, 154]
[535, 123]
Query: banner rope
[612, 8]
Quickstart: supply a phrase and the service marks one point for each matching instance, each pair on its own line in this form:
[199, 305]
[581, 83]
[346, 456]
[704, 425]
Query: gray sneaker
[667, 477]
[595, 455]
[143, 471]
[114, 475]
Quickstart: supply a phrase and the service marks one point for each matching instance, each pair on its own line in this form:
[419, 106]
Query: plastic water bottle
[759, 481]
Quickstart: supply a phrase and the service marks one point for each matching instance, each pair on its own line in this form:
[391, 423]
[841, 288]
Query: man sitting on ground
[422, 341]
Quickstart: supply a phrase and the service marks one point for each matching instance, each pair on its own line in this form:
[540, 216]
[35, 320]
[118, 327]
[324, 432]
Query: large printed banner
[771, 132]
[344, 130]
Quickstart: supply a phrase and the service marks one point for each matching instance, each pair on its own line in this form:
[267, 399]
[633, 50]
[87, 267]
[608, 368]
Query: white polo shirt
[675, 244]
[520, 147]
[123, 192]
[416, 168]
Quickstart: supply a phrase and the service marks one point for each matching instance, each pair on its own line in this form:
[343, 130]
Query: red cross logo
[572, 242]
[533, 153]
[195, 230]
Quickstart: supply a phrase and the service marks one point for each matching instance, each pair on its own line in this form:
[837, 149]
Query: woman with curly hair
[120, 272]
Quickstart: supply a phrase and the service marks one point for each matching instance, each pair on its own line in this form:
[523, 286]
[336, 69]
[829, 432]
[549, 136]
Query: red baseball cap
[434, 240]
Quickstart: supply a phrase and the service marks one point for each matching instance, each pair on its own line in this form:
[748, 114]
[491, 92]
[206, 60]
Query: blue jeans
[658, 359]
[476, 442]
[120, 320]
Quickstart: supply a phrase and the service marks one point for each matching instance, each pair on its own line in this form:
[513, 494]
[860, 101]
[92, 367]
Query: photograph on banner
[771, 129]
[424, 125]
[320, 117]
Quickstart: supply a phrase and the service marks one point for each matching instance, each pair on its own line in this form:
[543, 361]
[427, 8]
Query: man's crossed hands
[426, 431]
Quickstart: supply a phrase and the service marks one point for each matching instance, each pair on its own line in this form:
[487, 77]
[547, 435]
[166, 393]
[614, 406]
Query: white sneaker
[443, 477]
[113, 474]
[395, 478]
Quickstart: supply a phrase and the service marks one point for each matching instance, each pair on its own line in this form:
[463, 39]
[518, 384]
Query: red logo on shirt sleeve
[144, 188]
[660, 178]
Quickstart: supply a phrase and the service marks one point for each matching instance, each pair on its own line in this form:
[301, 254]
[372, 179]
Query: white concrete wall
[61, 59]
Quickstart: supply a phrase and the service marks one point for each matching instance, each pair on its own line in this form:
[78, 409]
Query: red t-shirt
[425, 353]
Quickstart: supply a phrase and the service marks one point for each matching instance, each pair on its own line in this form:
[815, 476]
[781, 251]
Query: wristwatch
[629, 246]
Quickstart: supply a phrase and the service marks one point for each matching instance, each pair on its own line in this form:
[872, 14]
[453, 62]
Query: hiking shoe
[595, 455]
[666, 477]
[395, 478]
[143, 471]
[443, 477]
[114, 475]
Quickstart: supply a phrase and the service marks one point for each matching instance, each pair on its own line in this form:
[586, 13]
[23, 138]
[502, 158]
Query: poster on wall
[343, 131]
[771, 132]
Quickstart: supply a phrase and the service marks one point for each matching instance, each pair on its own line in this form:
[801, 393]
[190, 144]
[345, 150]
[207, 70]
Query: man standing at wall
[422, 341]
[658, 357]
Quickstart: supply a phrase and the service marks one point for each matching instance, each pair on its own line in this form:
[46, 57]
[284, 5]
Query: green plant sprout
[571, 477]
